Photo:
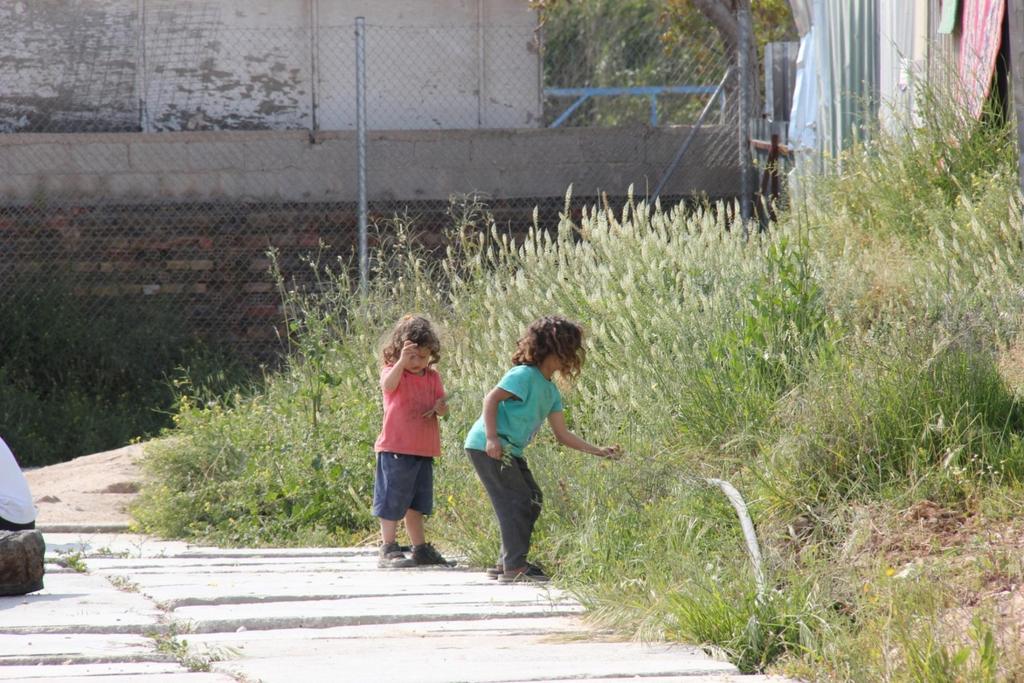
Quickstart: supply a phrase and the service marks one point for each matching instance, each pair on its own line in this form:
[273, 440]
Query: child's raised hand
[408, 348]
[612, 452]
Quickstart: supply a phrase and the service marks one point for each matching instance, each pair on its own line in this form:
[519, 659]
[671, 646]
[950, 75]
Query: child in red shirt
[409, 440]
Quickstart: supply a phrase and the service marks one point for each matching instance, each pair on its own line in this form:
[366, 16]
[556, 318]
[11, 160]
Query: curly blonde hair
[414, 328]
[552, 334]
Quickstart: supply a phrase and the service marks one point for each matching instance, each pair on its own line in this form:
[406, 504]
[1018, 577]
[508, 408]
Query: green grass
[839, 371]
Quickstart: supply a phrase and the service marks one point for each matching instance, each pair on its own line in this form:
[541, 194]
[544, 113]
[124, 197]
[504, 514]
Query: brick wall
[210, 262]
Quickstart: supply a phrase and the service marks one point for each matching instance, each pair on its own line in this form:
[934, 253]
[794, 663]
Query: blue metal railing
[650, 91]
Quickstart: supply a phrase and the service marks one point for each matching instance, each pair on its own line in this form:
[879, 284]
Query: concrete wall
[402, 165]
[170, 65]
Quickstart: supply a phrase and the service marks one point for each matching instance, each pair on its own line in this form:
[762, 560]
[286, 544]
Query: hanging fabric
[982, 23]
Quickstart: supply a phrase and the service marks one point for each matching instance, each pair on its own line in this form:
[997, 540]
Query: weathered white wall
[63, 62]
[155, 65]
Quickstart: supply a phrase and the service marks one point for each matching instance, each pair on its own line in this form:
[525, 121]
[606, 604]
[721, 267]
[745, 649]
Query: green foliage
[913, 182]
[75, 381]
[929, 661]
[616, 43]
[939, 422]
[73, 561]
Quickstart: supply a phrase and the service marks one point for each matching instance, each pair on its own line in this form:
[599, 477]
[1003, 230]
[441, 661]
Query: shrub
[76, 379]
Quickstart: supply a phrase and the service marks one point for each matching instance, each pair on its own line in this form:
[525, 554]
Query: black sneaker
[390, 556]
[531, 574]
[426, 554]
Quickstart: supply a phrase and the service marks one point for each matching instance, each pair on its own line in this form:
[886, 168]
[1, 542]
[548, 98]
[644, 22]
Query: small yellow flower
[451, 500]
[890, 571]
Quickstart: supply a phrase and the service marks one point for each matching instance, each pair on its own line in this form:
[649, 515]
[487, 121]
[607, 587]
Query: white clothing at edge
[15, 499]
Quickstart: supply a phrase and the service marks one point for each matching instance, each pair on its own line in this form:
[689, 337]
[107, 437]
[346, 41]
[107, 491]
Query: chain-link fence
[155, 150]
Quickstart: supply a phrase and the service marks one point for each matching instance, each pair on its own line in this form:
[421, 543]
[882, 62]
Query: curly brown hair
[552, 334]
[414, 328]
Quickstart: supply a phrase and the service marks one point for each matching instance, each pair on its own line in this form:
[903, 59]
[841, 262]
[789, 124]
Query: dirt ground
[92, 489]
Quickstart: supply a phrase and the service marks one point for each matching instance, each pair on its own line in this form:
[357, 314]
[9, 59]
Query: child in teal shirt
[513, 413]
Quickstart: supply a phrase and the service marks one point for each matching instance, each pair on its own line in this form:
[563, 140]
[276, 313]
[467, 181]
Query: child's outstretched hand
[612, 452]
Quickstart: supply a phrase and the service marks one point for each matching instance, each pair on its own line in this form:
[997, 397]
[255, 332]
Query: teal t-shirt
[519, 420]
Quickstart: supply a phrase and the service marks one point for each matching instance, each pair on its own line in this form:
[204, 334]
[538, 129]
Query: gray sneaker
[530, 574]
[426, 554]
[390, 556]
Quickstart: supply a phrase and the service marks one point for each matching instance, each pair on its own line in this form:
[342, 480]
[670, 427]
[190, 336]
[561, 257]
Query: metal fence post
[481, 64]
[364, 260]
[314, 66]
[743, 128]
[140, 64]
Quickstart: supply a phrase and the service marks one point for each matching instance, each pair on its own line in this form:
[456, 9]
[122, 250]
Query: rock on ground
[21, 562]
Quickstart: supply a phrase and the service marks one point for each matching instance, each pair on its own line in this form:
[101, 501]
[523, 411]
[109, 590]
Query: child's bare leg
[414, 525]
[388, 530]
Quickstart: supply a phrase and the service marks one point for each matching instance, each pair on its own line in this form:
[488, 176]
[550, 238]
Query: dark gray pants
[14, 526]
[516, 499]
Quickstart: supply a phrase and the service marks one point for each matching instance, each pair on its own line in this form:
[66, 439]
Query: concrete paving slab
[77, 603]
[102, 672]
[107, 544]
[76, 648]
[152, 575]
[93, 528]
[564, 628]
[374, 610]
[177, 677]
[177, 597]
[140, 545]
[209, 551]
[174, 590]
[225, 564]
[447, 659]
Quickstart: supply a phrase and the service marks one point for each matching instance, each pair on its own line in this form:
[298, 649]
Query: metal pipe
[743, 128]
[683, 148]
[364, 258]
[747, 525]
[140, 65]
[481, 64]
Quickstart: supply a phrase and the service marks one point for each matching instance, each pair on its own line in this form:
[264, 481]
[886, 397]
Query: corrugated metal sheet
[848, 49]
[896, 63]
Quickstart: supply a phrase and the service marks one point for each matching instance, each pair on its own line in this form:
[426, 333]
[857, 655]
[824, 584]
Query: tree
[591, 43]
[679, 20]
[772, 21]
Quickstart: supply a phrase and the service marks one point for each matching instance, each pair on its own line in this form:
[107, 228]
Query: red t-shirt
[405, 429]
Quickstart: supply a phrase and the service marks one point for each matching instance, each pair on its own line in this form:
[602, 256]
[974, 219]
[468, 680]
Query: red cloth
[405, 430]
[982, 25]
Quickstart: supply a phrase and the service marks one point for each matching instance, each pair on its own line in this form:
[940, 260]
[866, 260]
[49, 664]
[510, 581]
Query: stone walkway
[168, 612]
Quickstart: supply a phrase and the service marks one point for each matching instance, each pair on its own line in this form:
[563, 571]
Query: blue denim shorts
[403, 482]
